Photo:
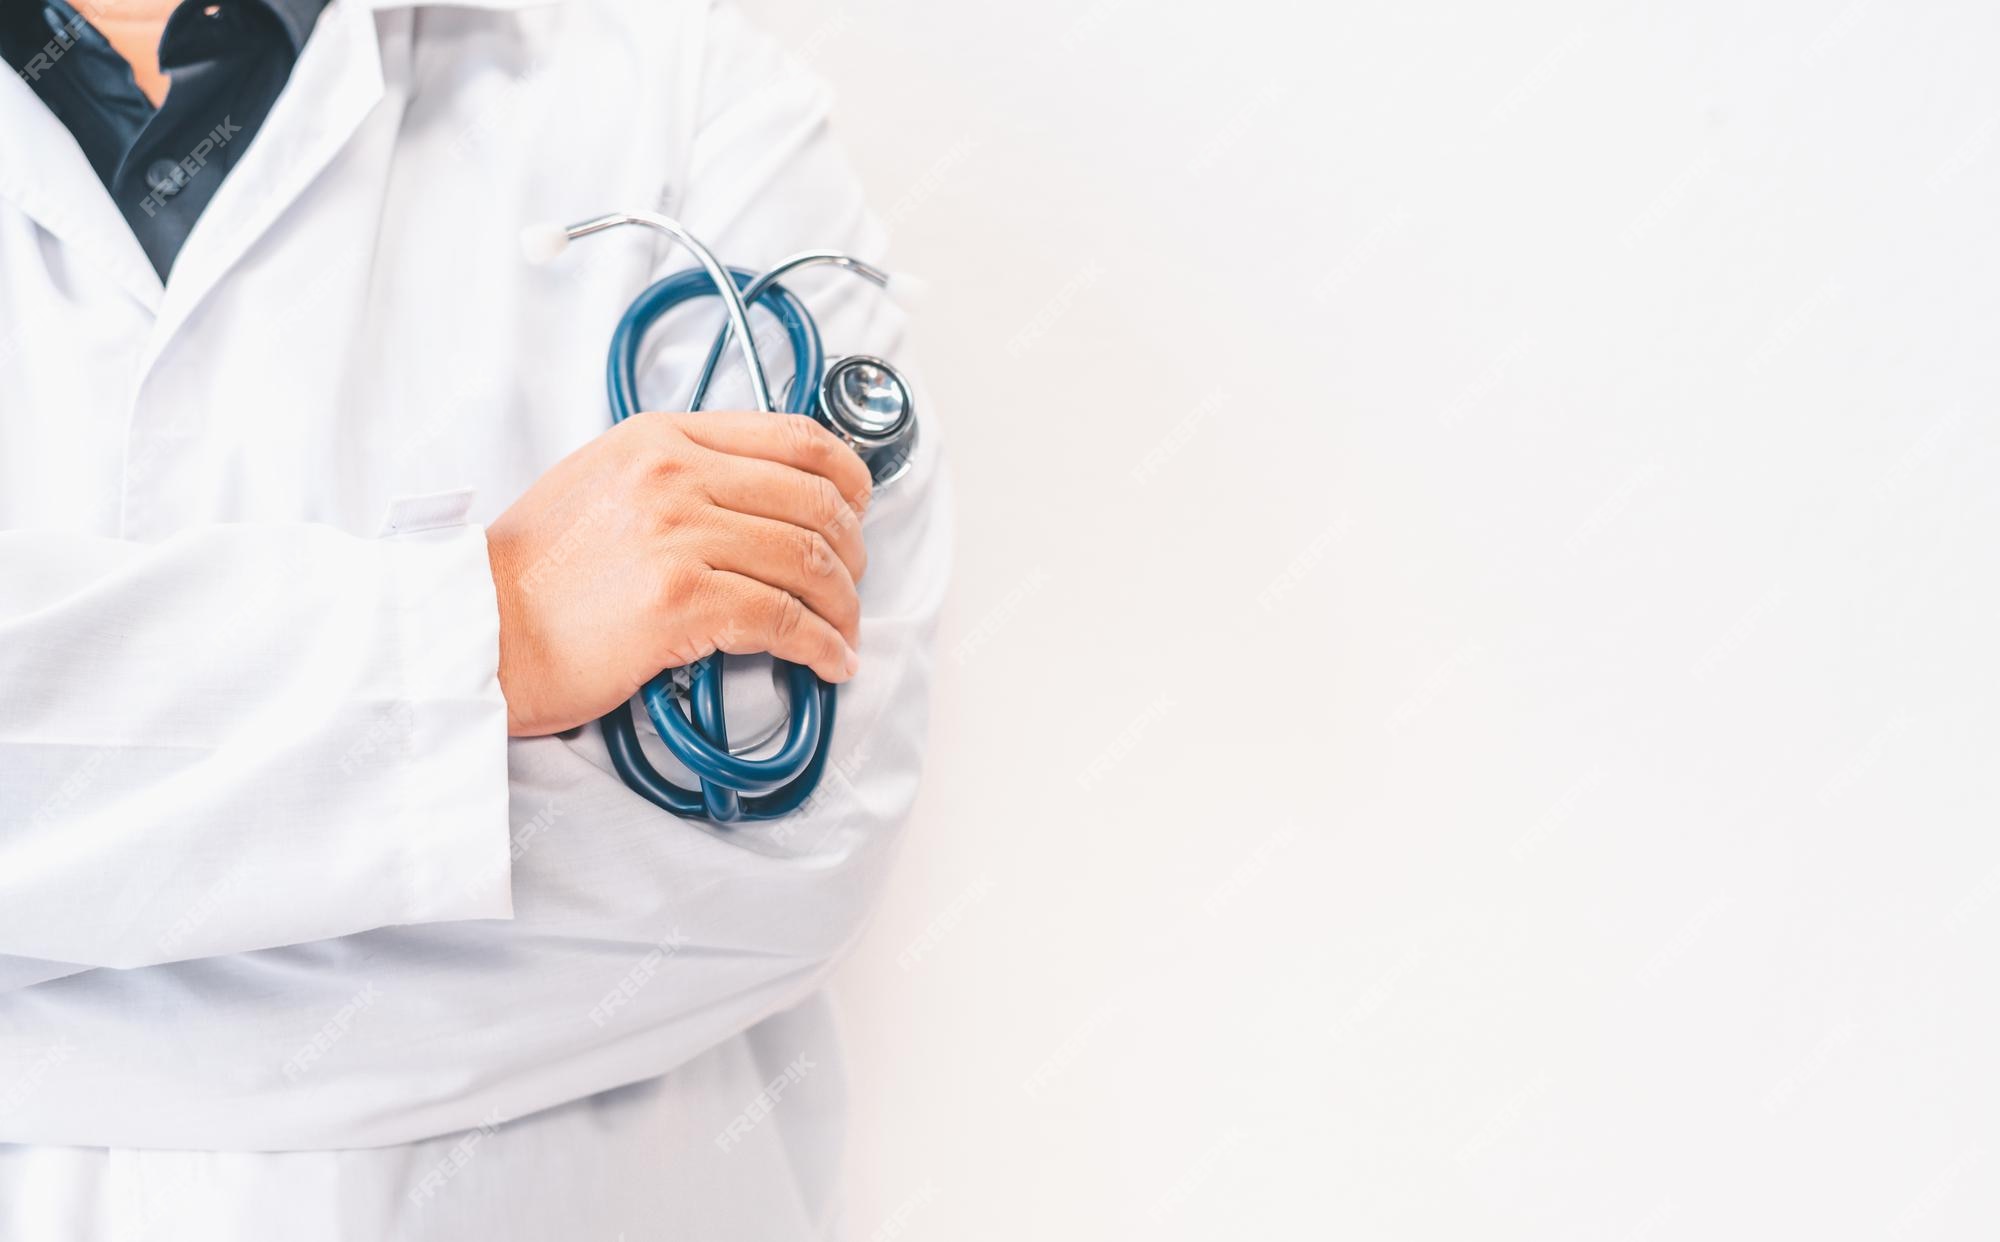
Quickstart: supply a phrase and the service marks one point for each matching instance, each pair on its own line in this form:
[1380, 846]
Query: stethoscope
[861, 399]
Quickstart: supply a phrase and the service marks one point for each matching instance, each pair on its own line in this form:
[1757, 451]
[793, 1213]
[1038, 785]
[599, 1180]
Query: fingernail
[853, 664]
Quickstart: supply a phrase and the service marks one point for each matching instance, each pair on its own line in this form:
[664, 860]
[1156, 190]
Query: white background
[1469, 707]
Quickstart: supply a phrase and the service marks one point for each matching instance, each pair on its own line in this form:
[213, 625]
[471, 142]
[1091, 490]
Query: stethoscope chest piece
[868, 403]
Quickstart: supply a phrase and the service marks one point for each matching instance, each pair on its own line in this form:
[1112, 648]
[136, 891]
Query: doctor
[318, 917]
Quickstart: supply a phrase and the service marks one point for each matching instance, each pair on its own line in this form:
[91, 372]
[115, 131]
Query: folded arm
[243, 737]
[638, 941]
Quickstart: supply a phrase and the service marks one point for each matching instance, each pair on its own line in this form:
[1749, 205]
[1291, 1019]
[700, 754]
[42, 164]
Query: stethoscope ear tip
[542, 242]
[908, 291]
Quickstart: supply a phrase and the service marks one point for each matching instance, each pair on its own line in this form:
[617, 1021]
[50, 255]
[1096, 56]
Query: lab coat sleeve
[642, 940]
[639, 940]
[243, 736]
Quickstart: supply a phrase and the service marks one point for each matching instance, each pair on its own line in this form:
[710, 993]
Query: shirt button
[167, 177]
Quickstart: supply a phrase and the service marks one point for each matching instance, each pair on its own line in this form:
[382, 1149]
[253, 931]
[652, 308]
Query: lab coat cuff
[456, 831]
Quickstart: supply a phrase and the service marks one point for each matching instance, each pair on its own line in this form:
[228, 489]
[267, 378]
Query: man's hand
[666, 539]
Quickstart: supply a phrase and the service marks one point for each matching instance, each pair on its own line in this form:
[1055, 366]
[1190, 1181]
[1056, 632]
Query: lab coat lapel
[337, 82]
[44, 174]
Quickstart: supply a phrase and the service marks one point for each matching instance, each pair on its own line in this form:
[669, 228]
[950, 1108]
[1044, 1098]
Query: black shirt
[228, 60]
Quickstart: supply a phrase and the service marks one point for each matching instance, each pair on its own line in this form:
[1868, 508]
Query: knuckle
[681, 584]
[810, 441]
[665, 448]
[788, 617]
[677, 515]
[667, 463]
[830, 511]
[816, 554]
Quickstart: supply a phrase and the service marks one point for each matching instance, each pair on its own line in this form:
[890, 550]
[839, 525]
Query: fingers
[791, 558]
[748, 616]
[764, 509]
[810, 502]
[788, 439]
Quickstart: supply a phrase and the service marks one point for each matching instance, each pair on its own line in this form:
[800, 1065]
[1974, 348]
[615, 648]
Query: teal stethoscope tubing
[733, 789]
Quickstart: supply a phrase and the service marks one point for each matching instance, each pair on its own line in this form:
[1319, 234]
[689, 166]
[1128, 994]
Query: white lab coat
[272, 879]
